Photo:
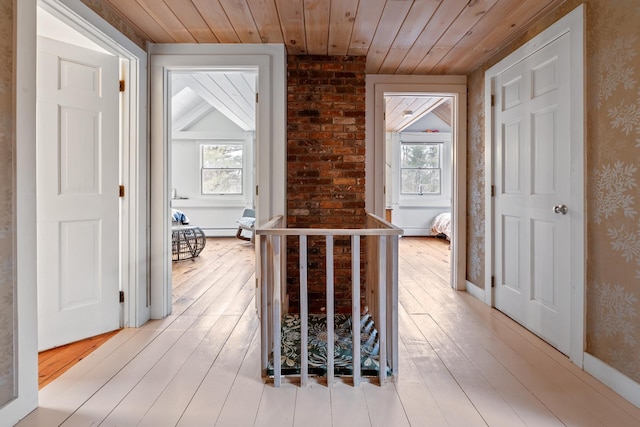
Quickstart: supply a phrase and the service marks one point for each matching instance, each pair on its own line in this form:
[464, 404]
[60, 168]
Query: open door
[77, 202]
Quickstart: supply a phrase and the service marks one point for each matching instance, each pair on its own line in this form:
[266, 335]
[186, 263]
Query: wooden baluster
[277, 306]
[382, 308]
[330, 311]
[264, 306]
[355, 307]
[304, 315]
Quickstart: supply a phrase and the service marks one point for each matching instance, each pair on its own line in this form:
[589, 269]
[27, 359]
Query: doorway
[213, 137]
[268, 195]
[453, 88]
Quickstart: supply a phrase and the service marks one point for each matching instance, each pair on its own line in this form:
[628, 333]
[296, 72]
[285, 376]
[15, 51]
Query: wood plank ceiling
[397, 36]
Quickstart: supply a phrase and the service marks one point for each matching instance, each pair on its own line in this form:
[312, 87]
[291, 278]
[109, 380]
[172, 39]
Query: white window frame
[243, 168]
[420, 194]
[423, 200]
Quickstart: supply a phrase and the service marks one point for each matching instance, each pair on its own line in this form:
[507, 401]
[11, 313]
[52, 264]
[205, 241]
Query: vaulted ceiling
[397, 36]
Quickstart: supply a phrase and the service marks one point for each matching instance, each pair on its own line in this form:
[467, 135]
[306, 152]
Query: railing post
[264, 310]
[392, 303]
[304, 314]
[329, 311]
[382, 308]
[277, 304]
[355, 307]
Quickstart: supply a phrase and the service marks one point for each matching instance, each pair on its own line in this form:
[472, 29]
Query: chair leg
[240, 236]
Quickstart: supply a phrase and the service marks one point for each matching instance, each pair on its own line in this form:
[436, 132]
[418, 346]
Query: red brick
[325, 154]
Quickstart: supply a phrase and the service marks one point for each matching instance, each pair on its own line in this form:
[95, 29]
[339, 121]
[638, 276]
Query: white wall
[428, 122]
[215, 214]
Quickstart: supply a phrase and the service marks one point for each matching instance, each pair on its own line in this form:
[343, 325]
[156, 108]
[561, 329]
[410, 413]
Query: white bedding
[442, 225]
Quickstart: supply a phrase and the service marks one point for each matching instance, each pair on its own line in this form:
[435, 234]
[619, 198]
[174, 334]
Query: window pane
[420, 181]
[222, 181]
[222, 156]
[420, 155]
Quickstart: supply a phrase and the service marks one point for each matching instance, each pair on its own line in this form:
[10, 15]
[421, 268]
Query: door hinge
[493, 100]
[121, 191]
[257, 97]
[493, 281]
[493, 191]
[121, 298]
[257, 192]
[122, 86]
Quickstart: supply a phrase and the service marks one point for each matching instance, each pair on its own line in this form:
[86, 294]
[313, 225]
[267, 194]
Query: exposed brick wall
[325, 165]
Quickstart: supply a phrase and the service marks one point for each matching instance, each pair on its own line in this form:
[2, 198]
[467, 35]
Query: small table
[187, 241]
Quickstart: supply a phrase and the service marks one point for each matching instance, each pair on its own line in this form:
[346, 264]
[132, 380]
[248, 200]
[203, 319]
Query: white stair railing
[381, 296]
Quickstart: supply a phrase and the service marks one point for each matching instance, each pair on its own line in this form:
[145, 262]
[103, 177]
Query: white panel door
[77, 200]
[532, 179]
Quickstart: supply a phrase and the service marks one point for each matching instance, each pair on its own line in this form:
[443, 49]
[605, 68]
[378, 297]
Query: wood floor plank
[384, 405]
[462, 363]
[170, 404]
[209, 399]
[419, 402]
[313, 406]
[105, 400]
[348, 406]
[53, 363]
[484, 397]
[141, 398]
[242, 402]
[277, 406]
[450, 397]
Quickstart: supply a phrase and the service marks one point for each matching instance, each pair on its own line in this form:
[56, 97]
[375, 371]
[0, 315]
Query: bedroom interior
[418, 172]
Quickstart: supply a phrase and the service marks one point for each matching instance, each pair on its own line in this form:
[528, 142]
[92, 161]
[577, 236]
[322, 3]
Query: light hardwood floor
[462, 363]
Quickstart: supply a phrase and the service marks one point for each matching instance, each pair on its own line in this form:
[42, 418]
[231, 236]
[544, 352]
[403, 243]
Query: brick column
[325, 164]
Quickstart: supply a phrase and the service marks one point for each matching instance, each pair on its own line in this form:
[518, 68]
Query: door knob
[561, 209]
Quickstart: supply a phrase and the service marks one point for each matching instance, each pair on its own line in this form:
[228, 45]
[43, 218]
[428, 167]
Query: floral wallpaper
[613, 174]
[475, 181]
[7, 283]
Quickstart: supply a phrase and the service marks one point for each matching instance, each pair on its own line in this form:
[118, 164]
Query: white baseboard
[614, 379]
[475, 291]
[219, 232]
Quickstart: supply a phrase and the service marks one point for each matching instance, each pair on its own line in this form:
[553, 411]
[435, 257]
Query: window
[222, 168]
[421, 168]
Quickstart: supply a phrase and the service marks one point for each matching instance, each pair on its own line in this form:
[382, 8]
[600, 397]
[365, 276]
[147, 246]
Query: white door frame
[270, 200]
[572, 24]
[453, 86]
[134, 210]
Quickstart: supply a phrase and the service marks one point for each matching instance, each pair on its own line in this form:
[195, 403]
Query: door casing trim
[270, 200]
[455, 86]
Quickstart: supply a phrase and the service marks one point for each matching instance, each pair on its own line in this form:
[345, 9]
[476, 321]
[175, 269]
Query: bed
[441, 225]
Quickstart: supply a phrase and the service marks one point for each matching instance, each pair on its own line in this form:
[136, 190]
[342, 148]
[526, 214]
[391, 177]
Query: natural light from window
[222, 168]
[421, 170]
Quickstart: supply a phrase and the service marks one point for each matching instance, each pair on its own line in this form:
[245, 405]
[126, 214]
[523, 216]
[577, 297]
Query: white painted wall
[429, 121]
[216, 215]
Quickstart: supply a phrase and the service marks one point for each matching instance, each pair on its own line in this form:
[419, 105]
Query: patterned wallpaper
[7, 373]
[613, 173]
